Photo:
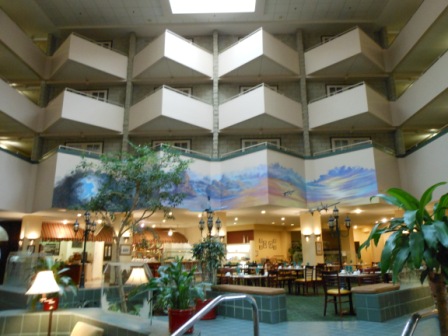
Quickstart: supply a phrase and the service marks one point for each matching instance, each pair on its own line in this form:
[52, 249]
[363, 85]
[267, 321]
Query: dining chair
[306, 281]
[335, 290]
[272, 278]
[373, 278]
[318, 278]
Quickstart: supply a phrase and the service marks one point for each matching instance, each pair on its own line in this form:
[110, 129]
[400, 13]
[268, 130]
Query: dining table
[356, 277]
[248, 279]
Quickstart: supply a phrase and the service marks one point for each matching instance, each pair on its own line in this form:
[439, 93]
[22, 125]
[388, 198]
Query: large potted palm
[419, 237]
[210, 253]
[176, 293]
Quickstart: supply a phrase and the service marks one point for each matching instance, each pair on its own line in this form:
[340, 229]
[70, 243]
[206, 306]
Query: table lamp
[44, 284]
[137, 277]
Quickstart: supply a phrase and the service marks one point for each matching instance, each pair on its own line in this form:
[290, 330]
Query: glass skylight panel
[212, 6]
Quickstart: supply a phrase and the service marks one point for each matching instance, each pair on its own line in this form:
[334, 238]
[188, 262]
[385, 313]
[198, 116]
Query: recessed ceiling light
[236, 218]
[212, 6]
[263, 212]
[283, 218]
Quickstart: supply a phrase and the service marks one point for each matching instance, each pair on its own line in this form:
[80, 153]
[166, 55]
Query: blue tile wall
[385, 306]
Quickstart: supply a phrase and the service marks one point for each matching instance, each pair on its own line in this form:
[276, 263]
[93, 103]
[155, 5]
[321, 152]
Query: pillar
[311, 232]
[128, 94]
[303, 94]
[215, 93]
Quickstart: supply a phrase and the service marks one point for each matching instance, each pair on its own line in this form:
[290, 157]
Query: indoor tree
[418, 238]
[133, 186]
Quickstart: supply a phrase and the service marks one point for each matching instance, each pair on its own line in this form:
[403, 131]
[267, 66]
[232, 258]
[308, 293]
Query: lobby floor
[229, 327]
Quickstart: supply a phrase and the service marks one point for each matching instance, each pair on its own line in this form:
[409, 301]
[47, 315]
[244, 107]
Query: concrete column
[215, 100]
[128, 94]
[303, 94]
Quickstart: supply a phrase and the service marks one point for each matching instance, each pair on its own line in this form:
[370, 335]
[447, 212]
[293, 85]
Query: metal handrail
[217, 300]
[413, 321]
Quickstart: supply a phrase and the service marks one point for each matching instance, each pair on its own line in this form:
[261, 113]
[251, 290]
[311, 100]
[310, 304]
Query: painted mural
[245, 182]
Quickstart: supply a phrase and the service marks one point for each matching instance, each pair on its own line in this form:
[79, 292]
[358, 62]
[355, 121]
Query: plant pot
[178, 317]
[211, 315]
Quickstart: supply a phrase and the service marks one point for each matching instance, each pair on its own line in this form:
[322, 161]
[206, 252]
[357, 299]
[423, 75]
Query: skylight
[212, 6]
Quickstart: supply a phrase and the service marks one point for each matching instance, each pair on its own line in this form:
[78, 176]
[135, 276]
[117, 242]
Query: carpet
[311, 308]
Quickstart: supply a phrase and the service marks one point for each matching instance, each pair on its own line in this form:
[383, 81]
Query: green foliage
[175, 287]
[66, 284]
[417, 237]
[210, 252]
[142, 179]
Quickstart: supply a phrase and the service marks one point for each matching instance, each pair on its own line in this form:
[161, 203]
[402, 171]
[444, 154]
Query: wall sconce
[170, 232]
[317, 237]
[307, 238]
[126, 239]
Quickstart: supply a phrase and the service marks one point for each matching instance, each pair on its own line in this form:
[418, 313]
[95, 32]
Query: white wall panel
[17, 183]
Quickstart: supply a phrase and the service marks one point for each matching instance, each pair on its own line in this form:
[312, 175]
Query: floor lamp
[44, 284]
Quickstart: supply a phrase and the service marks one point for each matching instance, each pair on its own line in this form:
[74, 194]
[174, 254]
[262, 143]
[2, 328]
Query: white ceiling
[151, 17]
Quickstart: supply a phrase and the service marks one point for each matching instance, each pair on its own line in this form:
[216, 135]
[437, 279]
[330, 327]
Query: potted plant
[209, 253]
[66, 284]
[419, 237]
[176, 293]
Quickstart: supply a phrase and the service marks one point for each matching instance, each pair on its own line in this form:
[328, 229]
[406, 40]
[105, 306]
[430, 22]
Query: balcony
[18, 116]
[79, 59]
[161, 60]
[358, 107]
[260, 56]
[169, 111]
[420, 42]
[423, 105]
[352, 53]
[260, 109]
[75, 113]
[20, 59]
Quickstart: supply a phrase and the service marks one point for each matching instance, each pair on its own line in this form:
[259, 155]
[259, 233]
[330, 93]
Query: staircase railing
[212, 304]
[413, 321]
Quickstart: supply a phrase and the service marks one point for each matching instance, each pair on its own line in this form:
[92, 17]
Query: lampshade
[137, 277]
[43, 284]
[3, 234]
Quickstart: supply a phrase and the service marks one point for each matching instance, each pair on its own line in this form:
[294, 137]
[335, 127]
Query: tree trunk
[119, 278]
[438, 291]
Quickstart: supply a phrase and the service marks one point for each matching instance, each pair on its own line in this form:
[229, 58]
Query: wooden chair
[272, 278]
[335, 291]
[306, 281]
[318, 277]
[374, 278]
